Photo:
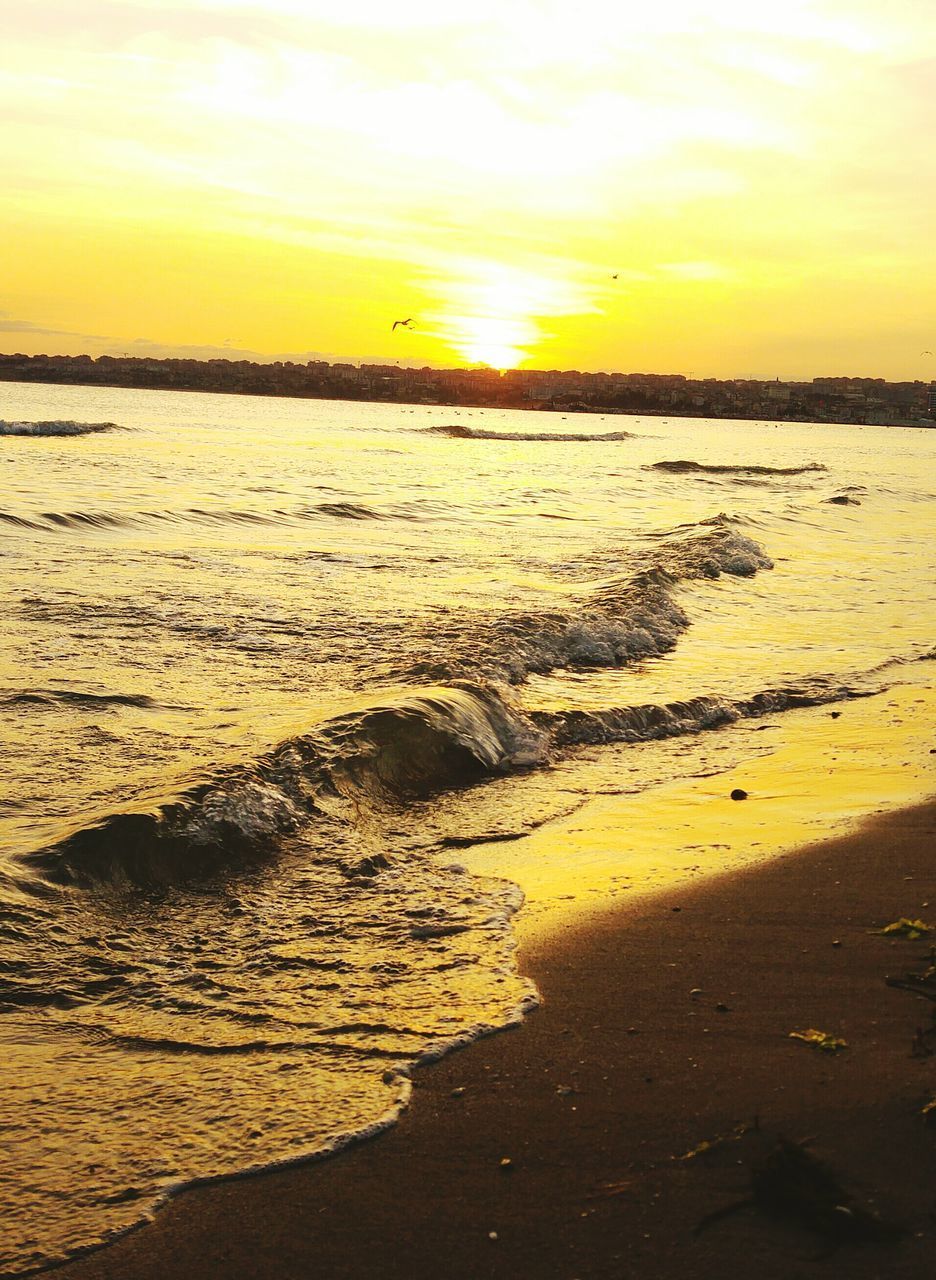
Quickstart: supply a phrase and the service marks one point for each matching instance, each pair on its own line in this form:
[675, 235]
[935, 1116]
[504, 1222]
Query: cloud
[9, 324]
[150, 348]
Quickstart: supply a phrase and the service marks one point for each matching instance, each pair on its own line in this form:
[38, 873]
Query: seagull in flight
[409, 323]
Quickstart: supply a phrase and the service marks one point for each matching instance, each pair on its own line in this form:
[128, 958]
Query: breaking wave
[624, 620]
[456, 431]
[682, 466]
[648, 722]
[465, 726]
[434, 740]
[461, 724]
[55, 428]
[326, 781]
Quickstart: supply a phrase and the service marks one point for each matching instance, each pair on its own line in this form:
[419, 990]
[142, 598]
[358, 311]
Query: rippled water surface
[267, 664]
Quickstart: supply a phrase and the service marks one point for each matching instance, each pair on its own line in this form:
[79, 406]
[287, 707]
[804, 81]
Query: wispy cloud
[9, 324]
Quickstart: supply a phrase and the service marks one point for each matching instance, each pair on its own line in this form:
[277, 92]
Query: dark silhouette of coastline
[836, 399]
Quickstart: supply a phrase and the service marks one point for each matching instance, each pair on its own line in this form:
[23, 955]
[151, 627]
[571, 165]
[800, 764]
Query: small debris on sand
[904, 928]
[821, 1039]
[739, 794]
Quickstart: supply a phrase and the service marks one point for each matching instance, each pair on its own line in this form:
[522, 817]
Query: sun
[493, 340]
[491, 312]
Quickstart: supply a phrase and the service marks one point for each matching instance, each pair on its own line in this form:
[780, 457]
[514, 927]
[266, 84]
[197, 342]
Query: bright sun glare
[491, 315]
[493, 340]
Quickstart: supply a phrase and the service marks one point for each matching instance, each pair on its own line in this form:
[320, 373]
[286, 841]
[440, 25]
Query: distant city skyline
[842, 399]
[143, 350]
[700, 186]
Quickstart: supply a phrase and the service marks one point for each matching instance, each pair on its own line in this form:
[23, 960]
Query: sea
[270, 671]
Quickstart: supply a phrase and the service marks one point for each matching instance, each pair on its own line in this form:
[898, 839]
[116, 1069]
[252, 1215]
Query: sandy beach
[558, 1150]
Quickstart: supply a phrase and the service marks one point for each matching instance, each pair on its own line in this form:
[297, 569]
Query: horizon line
[313, 358]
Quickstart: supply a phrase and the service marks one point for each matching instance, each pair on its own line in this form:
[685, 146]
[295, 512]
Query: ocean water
[266, 666]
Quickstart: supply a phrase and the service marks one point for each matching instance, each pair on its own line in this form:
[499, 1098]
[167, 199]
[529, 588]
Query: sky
[706, 187]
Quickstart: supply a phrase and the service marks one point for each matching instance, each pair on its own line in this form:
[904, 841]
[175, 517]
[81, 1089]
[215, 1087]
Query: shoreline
[664, 1025]
[685, 411]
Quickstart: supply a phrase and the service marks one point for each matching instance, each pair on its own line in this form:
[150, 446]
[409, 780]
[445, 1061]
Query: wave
[456, 431]
[19, 522]
[463, 727]
[902, 660]
[326, 781]
[624, 620]
[53, 521]
[650, 722]
[351, 511]
[74, 697]
[684, 467]
[55, 428]
[431, 741]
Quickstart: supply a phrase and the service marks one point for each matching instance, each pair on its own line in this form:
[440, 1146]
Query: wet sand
[665, 1024]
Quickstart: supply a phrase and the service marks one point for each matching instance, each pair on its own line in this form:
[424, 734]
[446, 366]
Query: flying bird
[409, 323]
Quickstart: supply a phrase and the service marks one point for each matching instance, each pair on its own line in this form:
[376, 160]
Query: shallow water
[267, 666]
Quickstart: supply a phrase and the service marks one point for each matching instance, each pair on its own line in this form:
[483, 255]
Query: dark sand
[621, 1072]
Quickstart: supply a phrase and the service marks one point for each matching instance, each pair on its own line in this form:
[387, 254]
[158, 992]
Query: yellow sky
[710, 187]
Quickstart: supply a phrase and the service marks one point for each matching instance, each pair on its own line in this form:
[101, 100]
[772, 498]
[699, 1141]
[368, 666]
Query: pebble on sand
[739, 794]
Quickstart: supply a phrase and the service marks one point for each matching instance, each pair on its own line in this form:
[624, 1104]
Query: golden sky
[710, 187]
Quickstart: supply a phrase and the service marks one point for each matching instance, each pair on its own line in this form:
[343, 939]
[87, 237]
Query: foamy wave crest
[623, 621]
[456, 431]
[434, 740]
[739, 469]
[650, 722]
[325, 783]
[55, 428]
